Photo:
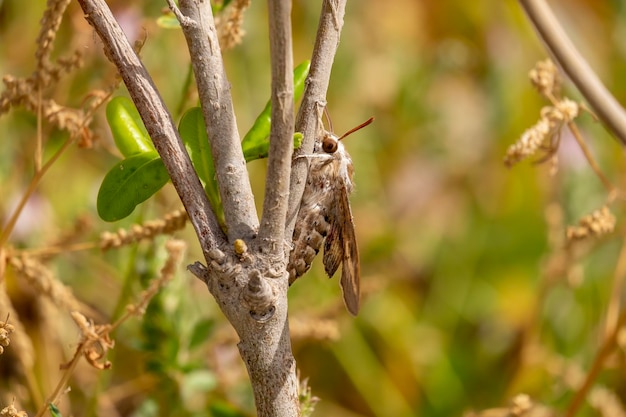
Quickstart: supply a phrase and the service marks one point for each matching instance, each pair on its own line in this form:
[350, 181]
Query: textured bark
[272, 232]
[248, 281]
[314, 98]
[158, 121]
[198, 26]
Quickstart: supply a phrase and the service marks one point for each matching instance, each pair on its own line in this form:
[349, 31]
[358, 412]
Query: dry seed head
[94, 340]
[21, 344]
[545, 78]
[229, 28]
[42, 279]
[539, 136]
[597, 224]
[564, 111]
[606, 402]
[175, 250]
[11, 411]
[169, 224]
[49, 26]
[520, 404]
[529, 143]
[5, 331]
[21, 92]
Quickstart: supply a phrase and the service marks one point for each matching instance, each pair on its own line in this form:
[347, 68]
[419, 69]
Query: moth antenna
[354, 129]
[330, 122]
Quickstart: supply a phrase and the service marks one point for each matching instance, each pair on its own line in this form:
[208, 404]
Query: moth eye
[329, 144]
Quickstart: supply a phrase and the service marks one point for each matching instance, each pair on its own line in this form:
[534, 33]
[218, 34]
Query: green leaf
[256, 142]
[130, 182]
[299, 77]
[142, 173]
[222, 409]
[148, 408]
[193, 133]
[198, 381]
[54, 411]
[261, 150]
[168, 21]
[129, 133]
[201, 332]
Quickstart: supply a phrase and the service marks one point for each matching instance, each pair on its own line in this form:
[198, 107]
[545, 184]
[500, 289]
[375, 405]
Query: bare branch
[272, 230]
[326, 44]
[196, 19]
[565, 53]
[157, 119]
[244, 283]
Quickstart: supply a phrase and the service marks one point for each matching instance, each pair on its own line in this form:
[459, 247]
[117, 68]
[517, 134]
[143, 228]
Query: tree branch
[600, 99]
[307, 122]
[158, 121]
[196, 20]
[272, 232]
[245, 284]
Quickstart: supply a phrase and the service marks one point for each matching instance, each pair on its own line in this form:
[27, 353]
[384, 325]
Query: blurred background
[458, 312]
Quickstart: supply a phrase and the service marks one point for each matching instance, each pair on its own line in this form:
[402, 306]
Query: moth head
[330, 141]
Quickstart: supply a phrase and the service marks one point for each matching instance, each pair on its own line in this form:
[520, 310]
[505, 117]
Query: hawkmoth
[325, 216]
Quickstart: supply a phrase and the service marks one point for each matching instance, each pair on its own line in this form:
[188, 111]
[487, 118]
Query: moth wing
[340, 247]
[351, 266]
[333, 244]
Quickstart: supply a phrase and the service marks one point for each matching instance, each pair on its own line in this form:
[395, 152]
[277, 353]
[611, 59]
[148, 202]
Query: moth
[325, 216]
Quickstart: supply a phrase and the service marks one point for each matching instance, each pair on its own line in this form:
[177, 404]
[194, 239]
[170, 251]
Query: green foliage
[458, 313]
[222, 409]
[255, 143]
[172, 340]
[130, 182]
[54, 411]
[128, 131]
[142, 173]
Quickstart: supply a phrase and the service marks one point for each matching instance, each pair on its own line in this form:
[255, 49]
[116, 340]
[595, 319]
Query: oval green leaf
[256, 142]
[129, 183]
[129, 133]
[193, 133]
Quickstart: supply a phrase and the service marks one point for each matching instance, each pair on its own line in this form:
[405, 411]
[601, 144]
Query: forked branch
[314, 99]
[241, 280]
[196, 20]
[157, 119]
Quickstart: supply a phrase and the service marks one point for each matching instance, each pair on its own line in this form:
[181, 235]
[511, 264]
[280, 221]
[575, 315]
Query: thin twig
[67, 374]
[32, 186]
[256, 308]
[196, 20]
[563, 50]
[307, 122]
[612, 311]
[271, 233]
[158, 122]
[39, 140]
[605, 350]
[592, 162]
